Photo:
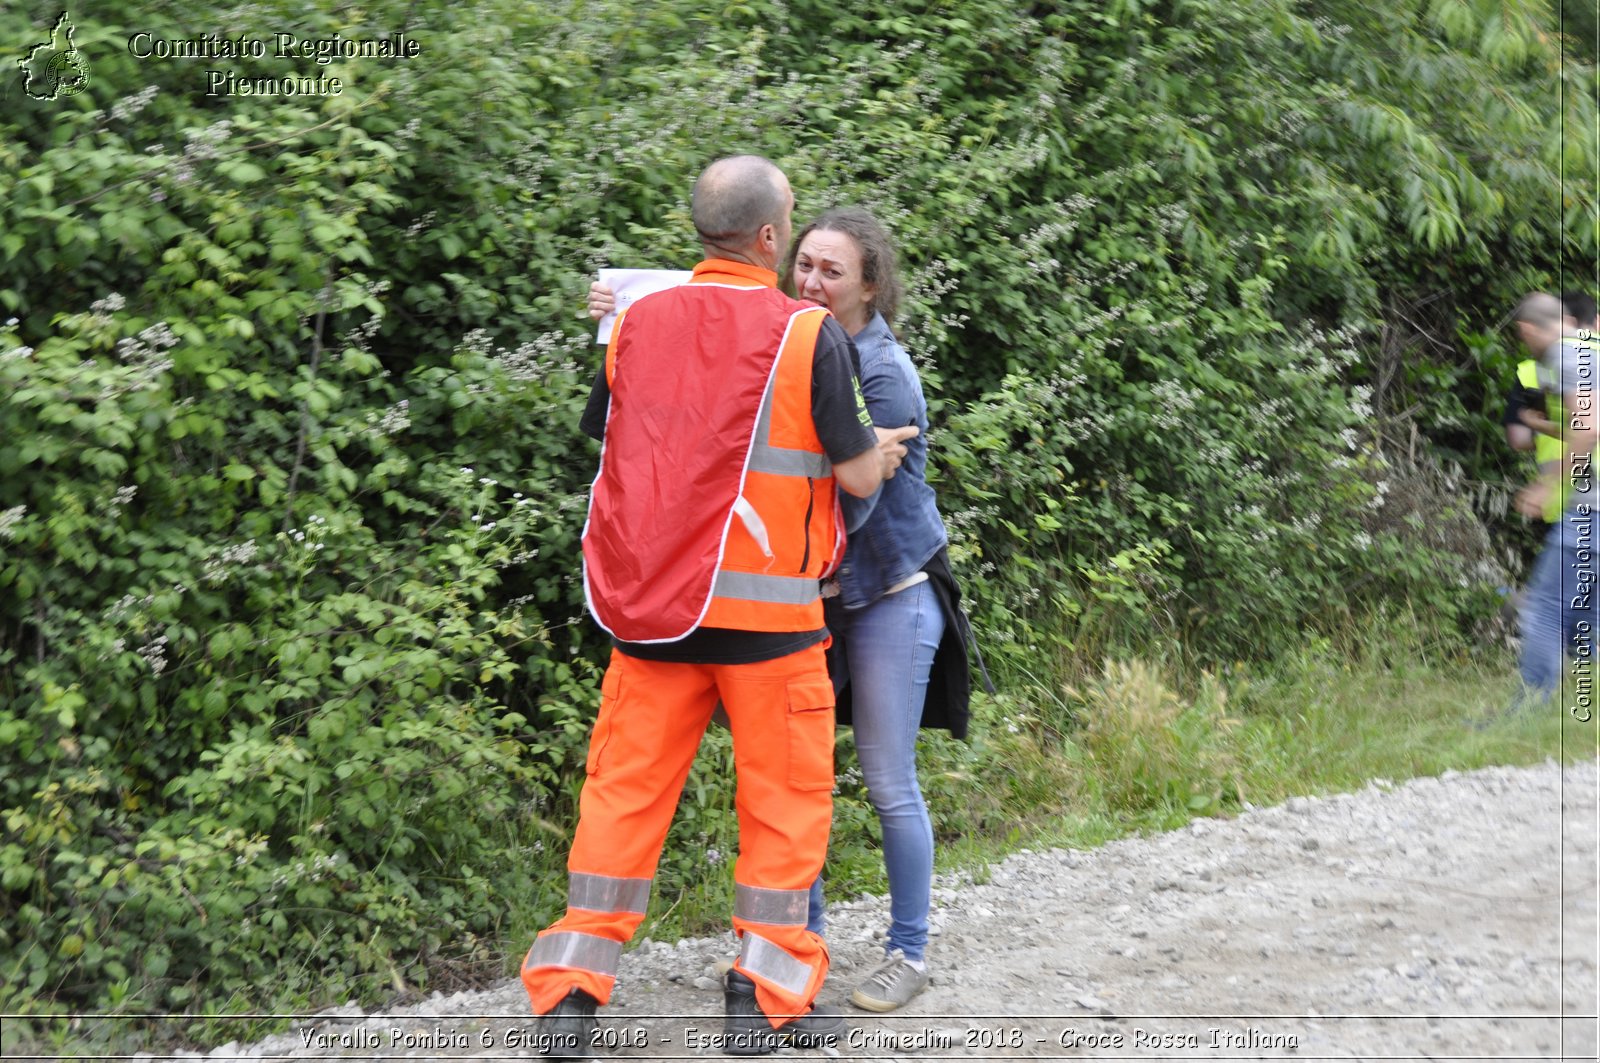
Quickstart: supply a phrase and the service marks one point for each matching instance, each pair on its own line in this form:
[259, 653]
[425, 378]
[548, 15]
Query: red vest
[715, 503]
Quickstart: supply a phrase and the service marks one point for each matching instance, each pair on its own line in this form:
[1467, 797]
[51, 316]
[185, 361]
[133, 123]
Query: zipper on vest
[811, 504]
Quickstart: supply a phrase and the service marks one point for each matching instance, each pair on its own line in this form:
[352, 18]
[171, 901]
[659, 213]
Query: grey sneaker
[890, 985]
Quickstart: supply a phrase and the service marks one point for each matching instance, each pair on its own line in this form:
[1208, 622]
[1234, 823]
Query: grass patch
[1139, 748]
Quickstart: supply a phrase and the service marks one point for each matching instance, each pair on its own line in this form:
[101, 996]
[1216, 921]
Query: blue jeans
[886, 652]
[1559, 604]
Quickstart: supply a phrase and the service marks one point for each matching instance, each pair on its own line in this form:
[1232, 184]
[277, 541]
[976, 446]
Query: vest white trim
[754, 525]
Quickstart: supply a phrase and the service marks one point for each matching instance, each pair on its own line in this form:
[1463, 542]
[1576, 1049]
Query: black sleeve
[1521, 398]
[837, 408]
[593, 421]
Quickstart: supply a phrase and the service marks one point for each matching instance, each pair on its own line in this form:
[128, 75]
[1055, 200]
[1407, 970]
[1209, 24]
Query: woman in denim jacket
[895, 599]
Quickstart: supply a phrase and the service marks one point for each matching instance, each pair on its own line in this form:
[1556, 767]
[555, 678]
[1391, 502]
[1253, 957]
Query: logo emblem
[55, 68]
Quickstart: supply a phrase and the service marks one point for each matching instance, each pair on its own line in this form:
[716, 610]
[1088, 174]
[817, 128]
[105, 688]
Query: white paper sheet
[631, 284]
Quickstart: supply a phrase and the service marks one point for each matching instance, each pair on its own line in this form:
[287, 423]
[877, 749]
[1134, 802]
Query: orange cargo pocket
[811, 734]
[610, 686]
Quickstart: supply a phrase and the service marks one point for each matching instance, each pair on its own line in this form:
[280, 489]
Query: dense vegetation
[294, 677]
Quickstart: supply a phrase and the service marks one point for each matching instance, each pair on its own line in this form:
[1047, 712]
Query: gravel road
[1445, 918]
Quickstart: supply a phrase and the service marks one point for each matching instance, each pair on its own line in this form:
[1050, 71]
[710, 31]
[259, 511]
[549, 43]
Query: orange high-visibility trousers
[652, 717]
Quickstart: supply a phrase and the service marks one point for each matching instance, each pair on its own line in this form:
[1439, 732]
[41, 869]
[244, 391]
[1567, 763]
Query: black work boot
[746, 1031]
[567, 1031]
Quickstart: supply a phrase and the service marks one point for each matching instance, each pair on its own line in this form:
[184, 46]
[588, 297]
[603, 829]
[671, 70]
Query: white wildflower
[9, 519]
[155, 654]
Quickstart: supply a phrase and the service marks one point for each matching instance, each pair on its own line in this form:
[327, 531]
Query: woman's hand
[602, 300]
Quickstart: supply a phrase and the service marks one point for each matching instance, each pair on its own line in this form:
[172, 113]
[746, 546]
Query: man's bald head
[1539, 321]
[735, 197]
[1540, 309]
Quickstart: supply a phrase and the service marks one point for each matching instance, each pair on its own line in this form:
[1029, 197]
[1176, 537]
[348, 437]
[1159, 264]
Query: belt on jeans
[830, 587]
[916, 578]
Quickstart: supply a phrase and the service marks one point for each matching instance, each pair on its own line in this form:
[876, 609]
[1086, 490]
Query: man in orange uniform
[728, 413]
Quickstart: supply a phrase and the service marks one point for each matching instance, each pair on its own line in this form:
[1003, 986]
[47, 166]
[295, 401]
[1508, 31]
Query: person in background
[1558, 610]
[1530, 424]
[898, 656]
[731, 411]
[1529, 418]
[1580, 315]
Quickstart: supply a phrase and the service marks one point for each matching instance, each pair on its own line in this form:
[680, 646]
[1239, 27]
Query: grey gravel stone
[1436, 899]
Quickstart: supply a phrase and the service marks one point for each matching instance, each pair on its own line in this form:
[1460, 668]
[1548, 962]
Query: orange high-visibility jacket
[715, 503]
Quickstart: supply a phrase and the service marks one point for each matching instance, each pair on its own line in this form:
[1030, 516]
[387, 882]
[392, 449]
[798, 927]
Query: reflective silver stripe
[602, 893]
[765, 960]
[583, 951]
[782, 461]
[777, 590]
[777, 907]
